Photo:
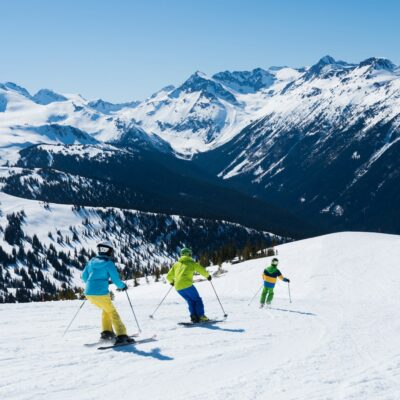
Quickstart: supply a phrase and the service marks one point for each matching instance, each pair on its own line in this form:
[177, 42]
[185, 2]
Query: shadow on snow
[153, 353]
[217, 328]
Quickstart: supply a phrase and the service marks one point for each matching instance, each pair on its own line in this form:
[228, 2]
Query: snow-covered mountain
[316, 140]
[196, 116]
[326, 146]
[48, 117]
[336, 340]
[204, 111]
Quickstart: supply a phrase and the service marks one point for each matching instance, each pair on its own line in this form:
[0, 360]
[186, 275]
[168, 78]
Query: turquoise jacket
[97, 273]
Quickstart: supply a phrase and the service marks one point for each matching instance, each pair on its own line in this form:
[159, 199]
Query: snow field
[337, 340]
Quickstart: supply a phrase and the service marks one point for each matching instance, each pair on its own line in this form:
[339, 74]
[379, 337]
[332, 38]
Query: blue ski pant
[195, 303]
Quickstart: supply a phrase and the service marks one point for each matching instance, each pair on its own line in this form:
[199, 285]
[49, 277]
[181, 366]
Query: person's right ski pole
[133, 312]
[73, 319]
[162, 301]
[258, 291]
[290, 297]
[219, 301]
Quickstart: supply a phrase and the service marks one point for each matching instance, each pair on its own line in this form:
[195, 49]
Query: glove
[286, 280]
[123, 289]
[171, 283]
[209, 278]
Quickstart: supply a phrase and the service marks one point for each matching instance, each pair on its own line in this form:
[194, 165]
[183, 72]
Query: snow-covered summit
[246, 81]
[378, 64]
[327, 67]
[47, 96]
[200, 82]
[106, 107]
[16, 88]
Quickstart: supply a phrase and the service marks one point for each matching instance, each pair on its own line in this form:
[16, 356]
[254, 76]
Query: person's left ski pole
[73, 319]
[162, 301]
[290, 297]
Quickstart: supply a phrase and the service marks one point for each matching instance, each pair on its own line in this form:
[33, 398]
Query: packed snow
[338, 339]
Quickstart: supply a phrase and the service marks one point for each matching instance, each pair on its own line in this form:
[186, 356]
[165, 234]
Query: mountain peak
[198, 75]
[246, 81]
[200, 82]
[326, 60]
[17, 88]
[378, 63]
[47, 96]
[106, 107]
[327, 67]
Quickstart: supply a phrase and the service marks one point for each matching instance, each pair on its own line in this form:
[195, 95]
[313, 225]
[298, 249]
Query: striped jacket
[270, 275]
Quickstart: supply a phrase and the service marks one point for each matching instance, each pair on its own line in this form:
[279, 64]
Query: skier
[269, 276]
[181, 277]
[96, 276]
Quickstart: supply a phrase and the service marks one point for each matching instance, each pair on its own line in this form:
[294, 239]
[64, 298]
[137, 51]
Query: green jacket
[181, 273]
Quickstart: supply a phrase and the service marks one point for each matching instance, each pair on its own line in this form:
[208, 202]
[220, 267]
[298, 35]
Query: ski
[104, 341]
[209, 322]
[140, 341]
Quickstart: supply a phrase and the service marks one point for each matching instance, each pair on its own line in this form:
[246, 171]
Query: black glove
[123, 289]
[171, 283]
[286, 280]
[209, 278]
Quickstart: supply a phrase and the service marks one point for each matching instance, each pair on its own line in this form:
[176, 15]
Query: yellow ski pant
[110, 317]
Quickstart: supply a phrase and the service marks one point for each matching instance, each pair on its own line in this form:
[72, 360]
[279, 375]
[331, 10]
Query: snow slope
[337, 340]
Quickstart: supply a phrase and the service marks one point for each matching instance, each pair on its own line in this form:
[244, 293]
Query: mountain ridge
[273, 134]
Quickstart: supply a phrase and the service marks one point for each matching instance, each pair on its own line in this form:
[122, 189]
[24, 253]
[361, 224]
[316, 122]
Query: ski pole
[290, 297]
[133, 312]
[258, 291]
[152, 315]
[73, 319]
[219, 301]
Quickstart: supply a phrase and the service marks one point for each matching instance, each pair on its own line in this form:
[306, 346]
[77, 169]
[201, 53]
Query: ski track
[338, 340]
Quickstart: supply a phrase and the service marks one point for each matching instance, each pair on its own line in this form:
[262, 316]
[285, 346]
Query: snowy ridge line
[206, 112]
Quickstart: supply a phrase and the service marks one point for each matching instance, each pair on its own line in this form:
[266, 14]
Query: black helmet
[275, 261]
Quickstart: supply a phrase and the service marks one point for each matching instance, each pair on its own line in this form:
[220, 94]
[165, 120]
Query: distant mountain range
[295, 151]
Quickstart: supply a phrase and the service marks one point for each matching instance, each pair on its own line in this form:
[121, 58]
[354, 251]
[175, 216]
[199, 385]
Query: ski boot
[261, 305]
[195, 319]
[122, 339]
[203, 318]
[268, 304]
[107, 335]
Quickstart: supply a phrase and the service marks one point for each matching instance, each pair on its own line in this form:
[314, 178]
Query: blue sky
[125, 50]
